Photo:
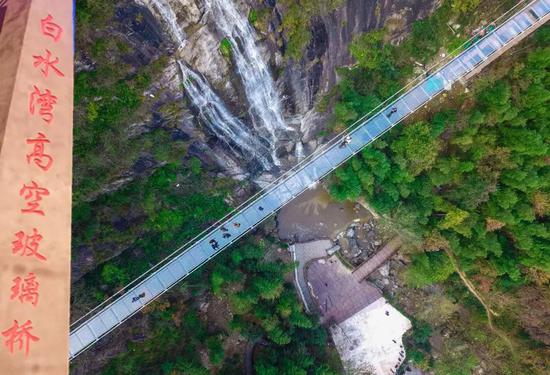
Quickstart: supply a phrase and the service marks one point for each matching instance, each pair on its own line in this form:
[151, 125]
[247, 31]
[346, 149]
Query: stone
[333, 249]
[385, 270]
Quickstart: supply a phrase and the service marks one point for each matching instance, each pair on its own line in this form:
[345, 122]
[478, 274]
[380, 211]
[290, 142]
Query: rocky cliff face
[188, 32]
[194, 30]
[312, 77]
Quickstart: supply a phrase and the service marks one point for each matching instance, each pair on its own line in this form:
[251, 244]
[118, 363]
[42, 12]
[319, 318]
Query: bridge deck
[89, 330]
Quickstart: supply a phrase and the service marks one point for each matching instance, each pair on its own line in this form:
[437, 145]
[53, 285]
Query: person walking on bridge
[345, 141]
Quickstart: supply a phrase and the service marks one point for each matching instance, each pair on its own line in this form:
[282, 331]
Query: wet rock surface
[299, 84]
[360, 241]
[315, 74]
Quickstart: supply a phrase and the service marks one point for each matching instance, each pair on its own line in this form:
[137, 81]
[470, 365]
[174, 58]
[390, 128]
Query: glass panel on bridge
[508, 31]
[472, 57]
[318, 167]
[254, 214]
[177, 269]
[74, 344]
[109, 318]
[192, 258]
[282, 194]
[541, 9]
[294, 185]
[433, 85]
[305, 179]
[85, 335]
[298, 183]
[131, 301]
[154, 286]
[415, 98]
[166, 277]
[421, 95]
[97, 326]
[523, 20]
[338, 153]
[489, 45]
[144, 294]
[449, 74]
[458, 68]
[242, 222]
[268, 202]
[119, 309]
[359, 139]
[378, 124]
[397, 111]
[208, 250]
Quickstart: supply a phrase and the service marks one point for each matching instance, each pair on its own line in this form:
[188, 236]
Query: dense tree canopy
[478, 177]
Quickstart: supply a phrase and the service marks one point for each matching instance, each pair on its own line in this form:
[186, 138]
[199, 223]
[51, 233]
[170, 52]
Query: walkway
[109, 315]
[381, 256]
[336, 293]
[303, 253]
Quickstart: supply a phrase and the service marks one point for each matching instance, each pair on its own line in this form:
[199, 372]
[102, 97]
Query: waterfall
[218, 118]
[299, 151]
[265, 106]
[167, 14]
[210, 106]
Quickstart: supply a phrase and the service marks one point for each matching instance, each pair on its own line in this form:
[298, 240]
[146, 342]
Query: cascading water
[167, 14]
[224, 125]
[299, 151]
[265, 106]
[210, 106]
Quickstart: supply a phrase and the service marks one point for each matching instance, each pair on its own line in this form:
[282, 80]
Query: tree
[453, 218]
[242, 301]
[541, 203]
[299, 319]
[347, 187]
[370, 51]
[268, 287]
[493, 224]
[221, 275]
[535, 312]
[114, 275]
[416, 149]
[278, 336]
[464, 6]
[428, 268]
[167, 221]
[323, 370]
[215, 350]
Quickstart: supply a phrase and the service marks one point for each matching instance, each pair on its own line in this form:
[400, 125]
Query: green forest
[255, 303]
[466, 183]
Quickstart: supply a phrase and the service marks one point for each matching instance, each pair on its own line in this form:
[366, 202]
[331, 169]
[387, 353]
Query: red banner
[35, 185]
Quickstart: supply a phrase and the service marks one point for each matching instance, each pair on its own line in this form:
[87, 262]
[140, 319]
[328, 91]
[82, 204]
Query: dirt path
[249, 354]
[488, 311]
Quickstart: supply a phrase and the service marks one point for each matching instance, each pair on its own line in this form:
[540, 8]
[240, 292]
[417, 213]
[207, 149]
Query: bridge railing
[334, 142]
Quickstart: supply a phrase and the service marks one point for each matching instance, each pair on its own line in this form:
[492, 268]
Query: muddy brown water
[314, 215]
